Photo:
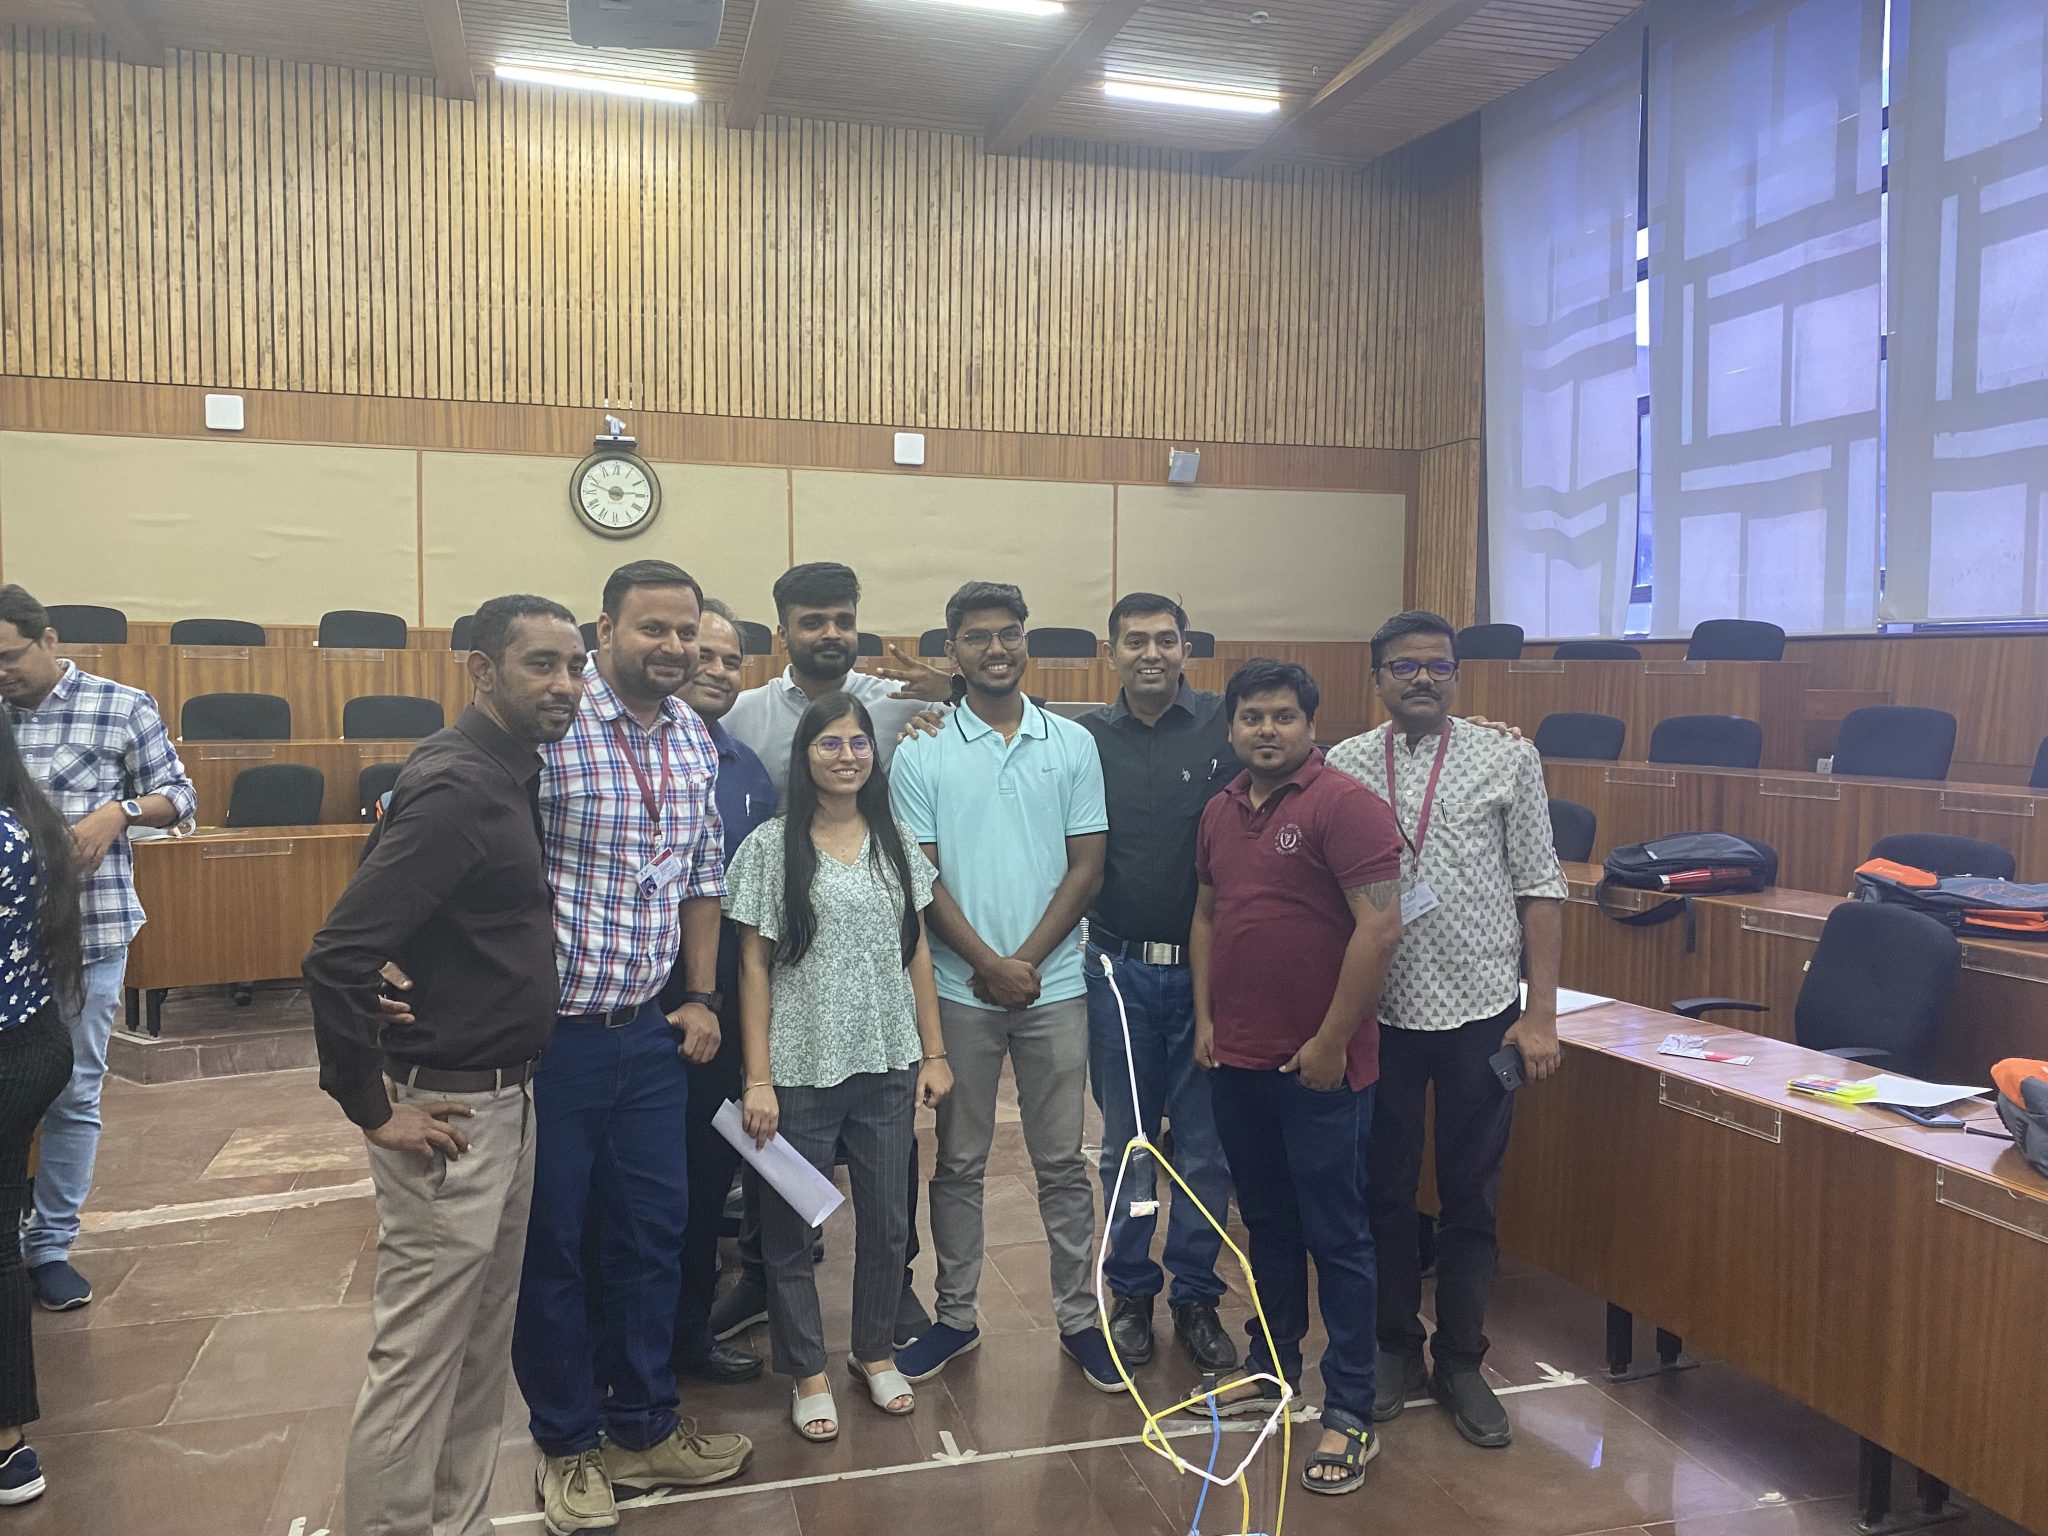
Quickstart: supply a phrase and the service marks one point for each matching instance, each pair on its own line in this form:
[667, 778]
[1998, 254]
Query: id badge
[659, 873]
[1418, 901]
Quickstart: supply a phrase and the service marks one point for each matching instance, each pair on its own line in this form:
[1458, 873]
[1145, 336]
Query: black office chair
[1736, 640]
[88, 624]
[1201, 645]
[1708, 741]
[1063, 644]
[932, 643]
[216, 632]
[1573, 828]
[372, 785]
[866, 644]
[1944, 854]
[589, 633]
[1895, 741]
[1598, 737]
[362, 629]
[235, 717]
[2038, 779]
[276, 795]
[755, 639]
[458, 637]
[1875, 989]
[390, 717]
[1595, 650]
[1489, 642]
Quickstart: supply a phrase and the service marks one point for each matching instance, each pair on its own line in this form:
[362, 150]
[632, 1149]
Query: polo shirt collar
[519, 758]
[973, 727]
[601, 701]
[1121, 709]
[1301, 778]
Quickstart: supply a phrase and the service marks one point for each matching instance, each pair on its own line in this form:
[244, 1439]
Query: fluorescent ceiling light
[608, 85]
[1007, 7]
[1173, 93]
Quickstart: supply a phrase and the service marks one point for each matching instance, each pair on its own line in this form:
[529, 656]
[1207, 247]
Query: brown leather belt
[446, 1080]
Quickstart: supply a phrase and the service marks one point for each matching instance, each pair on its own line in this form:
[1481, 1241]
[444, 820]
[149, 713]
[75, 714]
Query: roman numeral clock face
[614, 493]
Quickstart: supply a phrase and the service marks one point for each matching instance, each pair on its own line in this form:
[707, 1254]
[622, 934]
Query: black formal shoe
[1475, 1411]
[1203, 1336]
[740, 1308]
[723, 1364]
[1130, 1329]
[1398, 1378]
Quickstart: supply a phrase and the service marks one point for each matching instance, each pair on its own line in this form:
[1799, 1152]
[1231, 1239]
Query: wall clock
[615, 492]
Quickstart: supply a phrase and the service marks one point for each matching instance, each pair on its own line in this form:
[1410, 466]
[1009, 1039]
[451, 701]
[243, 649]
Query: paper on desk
[1914, 1094]
[788, 1172]
[1569, 1001]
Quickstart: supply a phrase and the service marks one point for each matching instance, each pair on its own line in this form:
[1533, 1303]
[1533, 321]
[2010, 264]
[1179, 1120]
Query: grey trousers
[874, 1116]
[424, 1446]
[1048, 1046]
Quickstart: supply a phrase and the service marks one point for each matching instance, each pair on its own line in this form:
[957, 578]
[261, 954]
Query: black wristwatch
[712, 1000]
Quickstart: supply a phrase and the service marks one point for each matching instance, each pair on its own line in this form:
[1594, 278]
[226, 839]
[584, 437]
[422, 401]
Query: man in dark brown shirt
[453, 893]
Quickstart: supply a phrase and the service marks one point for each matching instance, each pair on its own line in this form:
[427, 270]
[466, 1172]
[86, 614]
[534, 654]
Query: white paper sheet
[788, 1172]
[1569, 1001]
[1915, 1094]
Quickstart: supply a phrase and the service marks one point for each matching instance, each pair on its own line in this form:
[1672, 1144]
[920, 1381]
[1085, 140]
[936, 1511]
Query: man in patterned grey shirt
[1481, 887]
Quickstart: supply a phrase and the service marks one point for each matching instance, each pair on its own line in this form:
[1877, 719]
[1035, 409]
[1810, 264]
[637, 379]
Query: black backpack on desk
[1685, 865]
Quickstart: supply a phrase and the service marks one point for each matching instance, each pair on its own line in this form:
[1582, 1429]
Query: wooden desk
[229, 906]
[1887, 1276]
[1757, 947]
[316, 682]
[1821, 826]
[1772, 693]
[214, 764]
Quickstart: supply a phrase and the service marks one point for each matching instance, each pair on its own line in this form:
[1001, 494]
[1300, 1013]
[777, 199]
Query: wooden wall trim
[166, 410]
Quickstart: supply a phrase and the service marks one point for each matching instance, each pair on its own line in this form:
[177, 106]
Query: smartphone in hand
[1507, 1066]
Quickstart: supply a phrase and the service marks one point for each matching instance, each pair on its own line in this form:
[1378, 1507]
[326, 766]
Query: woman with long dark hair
[840, 1019]
[40, 962]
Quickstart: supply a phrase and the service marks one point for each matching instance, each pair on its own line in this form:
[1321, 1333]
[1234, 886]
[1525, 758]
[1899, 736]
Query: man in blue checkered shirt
[100, 751]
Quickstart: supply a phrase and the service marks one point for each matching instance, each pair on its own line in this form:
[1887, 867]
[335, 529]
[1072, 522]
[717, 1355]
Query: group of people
[620, 892]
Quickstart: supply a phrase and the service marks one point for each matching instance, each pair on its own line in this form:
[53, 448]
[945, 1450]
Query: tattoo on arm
[1379, 893]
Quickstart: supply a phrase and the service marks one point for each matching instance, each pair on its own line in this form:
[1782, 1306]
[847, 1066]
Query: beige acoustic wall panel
[915, 540]
[166, 528]
[498, 523]
[1266, 565]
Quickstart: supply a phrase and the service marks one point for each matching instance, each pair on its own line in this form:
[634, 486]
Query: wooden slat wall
[245, 223]
[1443, 537]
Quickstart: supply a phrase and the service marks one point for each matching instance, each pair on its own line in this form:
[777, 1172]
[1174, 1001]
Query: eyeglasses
[980, 639]
[834, 746]
[1405, 670]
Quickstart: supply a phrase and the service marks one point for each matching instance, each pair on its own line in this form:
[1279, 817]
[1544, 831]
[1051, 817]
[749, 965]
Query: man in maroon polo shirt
[1296, 918]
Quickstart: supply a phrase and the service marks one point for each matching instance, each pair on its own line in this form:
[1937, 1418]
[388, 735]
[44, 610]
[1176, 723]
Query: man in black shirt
[452, 892]
[1165, 751]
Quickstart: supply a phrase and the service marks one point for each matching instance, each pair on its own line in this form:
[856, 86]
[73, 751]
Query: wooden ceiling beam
[1423, 25]
[1061, 74]
[128, 30]
[766, 34]
[453, 74]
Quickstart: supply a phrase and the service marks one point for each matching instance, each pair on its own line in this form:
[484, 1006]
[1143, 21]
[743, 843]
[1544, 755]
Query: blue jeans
[609, 1111]
[1160, 1001]
[71, 1126]
[1298, 1161]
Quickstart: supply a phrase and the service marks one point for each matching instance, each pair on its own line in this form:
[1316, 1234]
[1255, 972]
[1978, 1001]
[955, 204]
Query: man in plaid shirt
[101, 753]
[635, 857]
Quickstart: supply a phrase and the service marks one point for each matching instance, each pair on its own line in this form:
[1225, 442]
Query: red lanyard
[1443, 746]
[646, 789]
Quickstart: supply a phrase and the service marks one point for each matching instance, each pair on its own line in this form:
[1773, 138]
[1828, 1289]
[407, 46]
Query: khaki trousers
[424, 1446]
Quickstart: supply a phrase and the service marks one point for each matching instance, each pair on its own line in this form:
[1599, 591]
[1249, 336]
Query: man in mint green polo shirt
[1007, 800]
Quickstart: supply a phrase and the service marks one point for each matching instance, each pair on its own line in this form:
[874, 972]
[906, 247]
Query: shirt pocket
[74, 770]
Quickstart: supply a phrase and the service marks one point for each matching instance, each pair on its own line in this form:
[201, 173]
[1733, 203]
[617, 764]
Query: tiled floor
[206, 1392]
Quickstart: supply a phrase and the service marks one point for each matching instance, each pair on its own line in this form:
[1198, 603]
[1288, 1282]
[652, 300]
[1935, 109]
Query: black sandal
[1360, 1446]
[1256, 1406]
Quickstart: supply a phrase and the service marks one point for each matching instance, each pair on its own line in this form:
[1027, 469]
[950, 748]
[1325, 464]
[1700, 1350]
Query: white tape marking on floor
[953, 1456]
[233, 1205]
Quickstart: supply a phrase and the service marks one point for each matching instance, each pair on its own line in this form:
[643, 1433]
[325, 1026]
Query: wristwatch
[712, 1000]
[132, 809]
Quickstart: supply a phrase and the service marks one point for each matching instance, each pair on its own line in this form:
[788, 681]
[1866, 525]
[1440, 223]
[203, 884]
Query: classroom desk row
[1756, 947]
[1821, 826]
[1887, 1276]
[1643, 693]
